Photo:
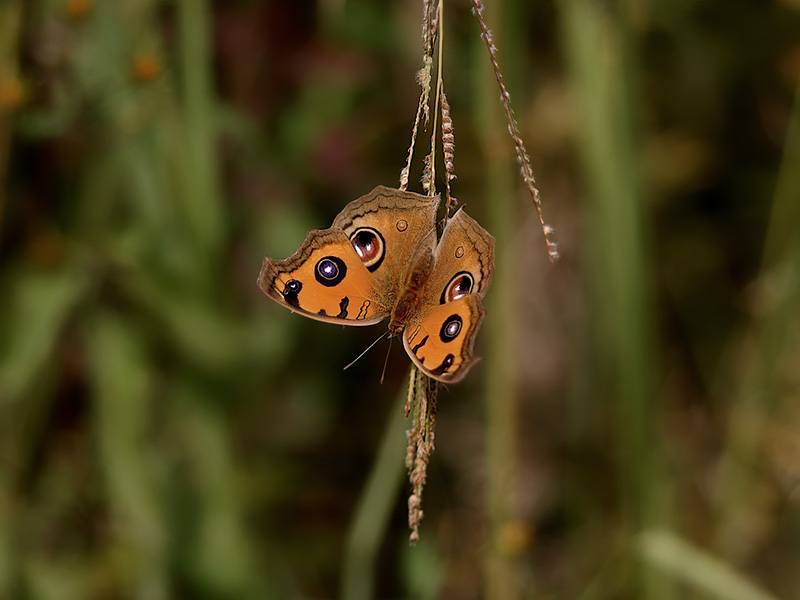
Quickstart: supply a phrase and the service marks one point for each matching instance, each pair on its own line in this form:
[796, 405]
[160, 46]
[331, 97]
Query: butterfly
[381, 258]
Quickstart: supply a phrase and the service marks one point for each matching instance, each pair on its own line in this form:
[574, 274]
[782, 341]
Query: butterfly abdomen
[408, 303]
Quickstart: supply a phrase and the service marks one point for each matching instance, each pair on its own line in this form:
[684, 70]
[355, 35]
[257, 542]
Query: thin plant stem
[201, 177]
[619, 262]
[767, 338]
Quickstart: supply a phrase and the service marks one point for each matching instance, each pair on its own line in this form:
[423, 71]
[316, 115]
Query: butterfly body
[381, 259]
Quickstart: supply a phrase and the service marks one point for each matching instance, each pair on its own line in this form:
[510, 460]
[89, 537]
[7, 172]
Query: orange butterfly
[381, 259]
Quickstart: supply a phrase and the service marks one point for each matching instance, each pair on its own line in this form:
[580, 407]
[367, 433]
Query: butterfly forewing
[464, 260]
[390, 227]
[324, 280]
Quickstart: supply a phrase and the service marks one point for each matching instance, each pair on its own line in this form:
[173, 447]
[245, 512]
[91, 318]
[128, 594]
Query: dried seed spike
[448, 149]
[513, 130]
[430, 23]
[411, 433]
[423, 393]
[427, 173]
[414, 518]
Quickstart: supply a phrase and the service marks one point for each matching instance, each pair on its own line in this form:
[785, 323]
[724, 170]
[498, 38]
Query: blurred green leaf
[221, 552]
[120, 374]
[423, 569]
[199, 330]
[41, 305]
[322, 103]
[46, 580]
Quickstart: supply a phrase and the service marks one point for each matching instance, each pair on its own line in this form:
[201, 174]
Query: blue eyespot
[330, 271]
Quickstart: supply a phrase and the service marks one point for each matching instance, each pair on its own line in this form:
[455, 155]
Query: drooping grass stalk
[756, 395]
[501, 577]
[600, 52]
[374, 509]
[523, 159]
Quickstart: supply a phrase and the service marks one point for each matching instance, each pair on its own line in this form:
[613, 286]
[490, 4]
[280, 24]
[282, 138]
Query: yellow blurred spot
[146, 67]
[514, 537]
[77, 9]
[12, 94]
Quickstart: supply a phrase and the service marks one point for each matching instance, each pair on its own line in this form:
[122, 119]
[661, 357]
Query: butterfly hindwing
[440, 331]
[441, 337]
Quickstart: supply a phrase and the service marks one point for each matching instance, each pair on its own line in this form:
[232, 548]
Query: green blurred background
[168, 432]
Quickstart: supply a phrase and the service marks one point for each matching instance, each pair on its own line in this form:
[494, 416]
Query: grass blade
[694, 566]
[378, 498]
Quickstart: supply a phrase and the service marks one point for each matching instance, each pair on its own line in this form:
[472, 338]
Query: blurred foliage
[166, 432]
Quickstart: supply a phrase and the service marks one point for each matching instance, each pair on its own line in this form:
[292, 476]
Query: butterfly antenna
[386, 360]
[383, 335]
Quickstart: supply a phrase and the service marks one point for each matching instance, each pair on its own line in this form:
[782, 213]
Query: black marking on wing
[290, 292]
[362, 312]
[348, 224]
[446, 364]
[322, 312]
[343, 308]
[420, 345]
